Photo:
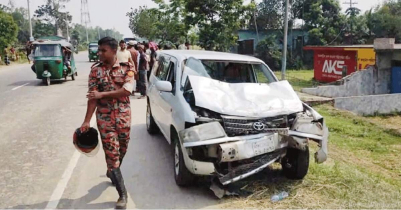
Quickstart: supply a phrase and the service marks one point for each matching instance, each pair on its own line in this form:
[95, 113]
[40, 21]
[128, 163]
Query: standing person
[123, 55]
[135, 59]
[182, 47]
[153, 57]
[142, 68]
[187, 45]
[28, 49]
[110, 85]
[134, 52]
[13, 54]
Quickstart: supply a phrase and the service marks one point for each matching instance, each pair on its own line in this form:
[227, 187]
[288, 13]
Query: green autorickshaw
[53, 60]
[92, 50]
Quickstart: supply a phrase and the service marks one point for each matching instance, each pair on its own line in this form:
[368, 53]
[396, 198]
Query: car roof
[210, 55]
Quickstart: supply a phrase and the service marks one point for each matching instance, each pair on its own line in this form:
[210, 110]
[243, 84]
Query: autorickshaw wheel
[72, 76]
[46, 81]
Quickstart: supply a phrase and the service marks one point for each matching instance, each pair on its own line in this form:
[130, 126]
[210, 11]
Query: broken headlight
[202, 132]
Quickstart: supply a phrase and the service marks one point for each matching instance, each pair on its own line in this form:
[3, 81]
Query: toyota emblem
[259, 126]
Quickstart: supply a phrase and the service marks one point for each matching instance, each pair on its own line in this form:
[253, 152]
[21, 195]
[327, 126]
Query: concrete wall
[365, 82]
[370, 105]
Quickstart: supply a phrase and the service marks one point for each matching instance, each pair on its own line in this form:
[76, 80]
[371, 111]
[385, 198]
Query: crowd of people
[143, 56]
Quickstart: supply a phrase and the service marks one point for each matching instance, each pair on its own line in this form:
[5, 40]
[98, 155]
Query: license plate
[264, 145]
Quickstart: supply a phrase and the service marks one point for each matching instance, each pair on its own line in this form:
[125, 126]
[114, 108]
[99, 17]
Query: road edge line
[65, 178]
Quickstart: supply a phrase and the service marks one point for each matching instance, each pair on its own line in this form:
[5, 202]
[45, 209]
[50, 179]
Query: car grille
[235, 126]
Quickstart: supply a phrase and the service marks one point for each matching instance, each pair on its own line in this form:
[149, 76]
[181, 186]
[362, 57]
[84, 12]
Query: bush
[268, 51]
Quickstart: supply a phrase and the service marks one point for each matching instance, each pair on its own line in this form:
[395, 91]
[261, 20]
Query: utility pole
[30, 24]
[351, 6]
[85, 17]
[284, 60]
[254, 18]
[68, 33]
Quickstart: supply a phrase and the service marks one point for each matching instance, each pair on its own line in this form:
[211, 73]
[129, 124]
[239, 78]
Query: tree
[170, 26]
[268, 51]
[8, 30]
[4, 8]
[50, 13]
[19, 15]
[384, 21]
[42, 29]
[323, 20]
[163, 23]
[269, 15]
[218, 21]
[141, 22]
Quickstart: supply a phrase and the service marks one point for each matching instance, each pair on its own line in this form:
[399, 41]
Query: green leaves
[164, 23]
[8, 30]
[217, 21]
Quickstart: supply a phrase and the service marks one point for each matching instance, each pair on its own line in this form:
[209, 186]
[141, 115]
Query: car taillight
[58, 61]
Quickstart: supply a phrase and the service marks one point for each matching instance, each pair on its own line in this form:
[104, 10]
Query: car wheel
[151, 125]
[296, 163]
[182, 175]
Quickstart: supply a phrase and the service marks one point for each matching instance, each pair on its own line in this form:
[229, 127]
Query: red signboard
[329, 64]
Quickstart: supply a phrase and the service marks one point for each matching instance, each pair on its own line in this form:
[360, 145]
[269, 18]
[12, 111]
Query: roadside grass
[363, 170]
[299, 78]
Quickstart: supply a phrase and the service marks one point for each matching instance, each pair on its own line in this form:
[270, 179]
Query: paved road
[40, 167]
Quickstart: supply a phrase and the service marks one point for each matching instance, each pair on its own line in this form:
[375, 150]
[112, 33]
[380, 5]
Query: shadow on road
[81, 203]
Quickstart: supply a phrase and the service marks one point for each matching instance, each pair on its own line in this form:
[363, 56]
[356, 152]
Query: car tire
[296, 163]
[151, 125]
[183, 177]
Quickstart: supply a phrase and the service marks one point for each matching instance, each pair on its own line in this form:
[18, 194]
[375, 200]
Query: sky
[112, 13]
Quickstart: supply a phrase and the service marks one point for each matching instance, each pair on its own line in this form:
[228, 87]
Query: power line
[350, 3]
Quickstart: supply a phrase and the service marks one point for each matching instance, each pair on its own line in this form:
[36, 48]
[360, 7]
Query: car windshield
[230, 71]
[48, 50]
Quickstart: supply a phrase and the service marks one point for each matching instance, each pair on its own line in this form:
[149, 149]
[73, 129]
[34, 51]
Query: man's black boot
[122, 192]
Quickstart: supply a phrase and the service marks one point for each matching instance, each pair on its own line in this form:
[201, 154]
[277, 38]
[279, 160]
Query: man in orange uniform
[110, 85]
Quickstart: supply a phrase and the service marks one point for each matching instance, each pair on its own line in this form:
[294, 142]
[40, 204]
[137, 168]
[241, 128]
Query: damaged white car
[227, 116]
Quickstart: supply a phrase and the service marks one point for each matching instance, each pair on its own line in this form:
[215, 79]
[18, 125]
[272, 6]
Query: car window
[162, 68]
[263, 74]
[171, 76]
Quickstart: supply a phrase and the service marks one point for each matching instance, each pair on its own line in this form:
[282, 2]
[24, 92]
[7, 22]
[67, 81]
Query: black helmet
[88, 142]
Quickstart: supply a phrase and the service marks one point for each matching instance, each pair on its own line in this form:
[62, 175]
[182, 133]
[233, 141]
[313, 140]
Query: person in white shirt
[123, 55]
[182, 47]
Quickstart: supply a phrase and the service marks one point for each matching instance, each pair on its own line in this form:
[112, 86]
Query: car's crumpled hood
[245, 99]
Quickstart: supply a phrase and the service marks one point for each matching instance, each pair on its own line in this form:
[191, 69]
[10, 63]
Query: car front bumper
[264, 149]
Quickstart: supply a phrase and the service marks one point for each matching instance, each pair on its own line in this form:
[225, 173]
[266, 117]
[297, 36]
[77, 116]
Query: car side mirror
[164, 86]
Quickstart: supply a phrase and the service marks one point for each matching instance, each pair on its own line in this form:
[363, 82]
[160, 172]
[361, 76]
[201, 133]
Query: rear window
[47, 50]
